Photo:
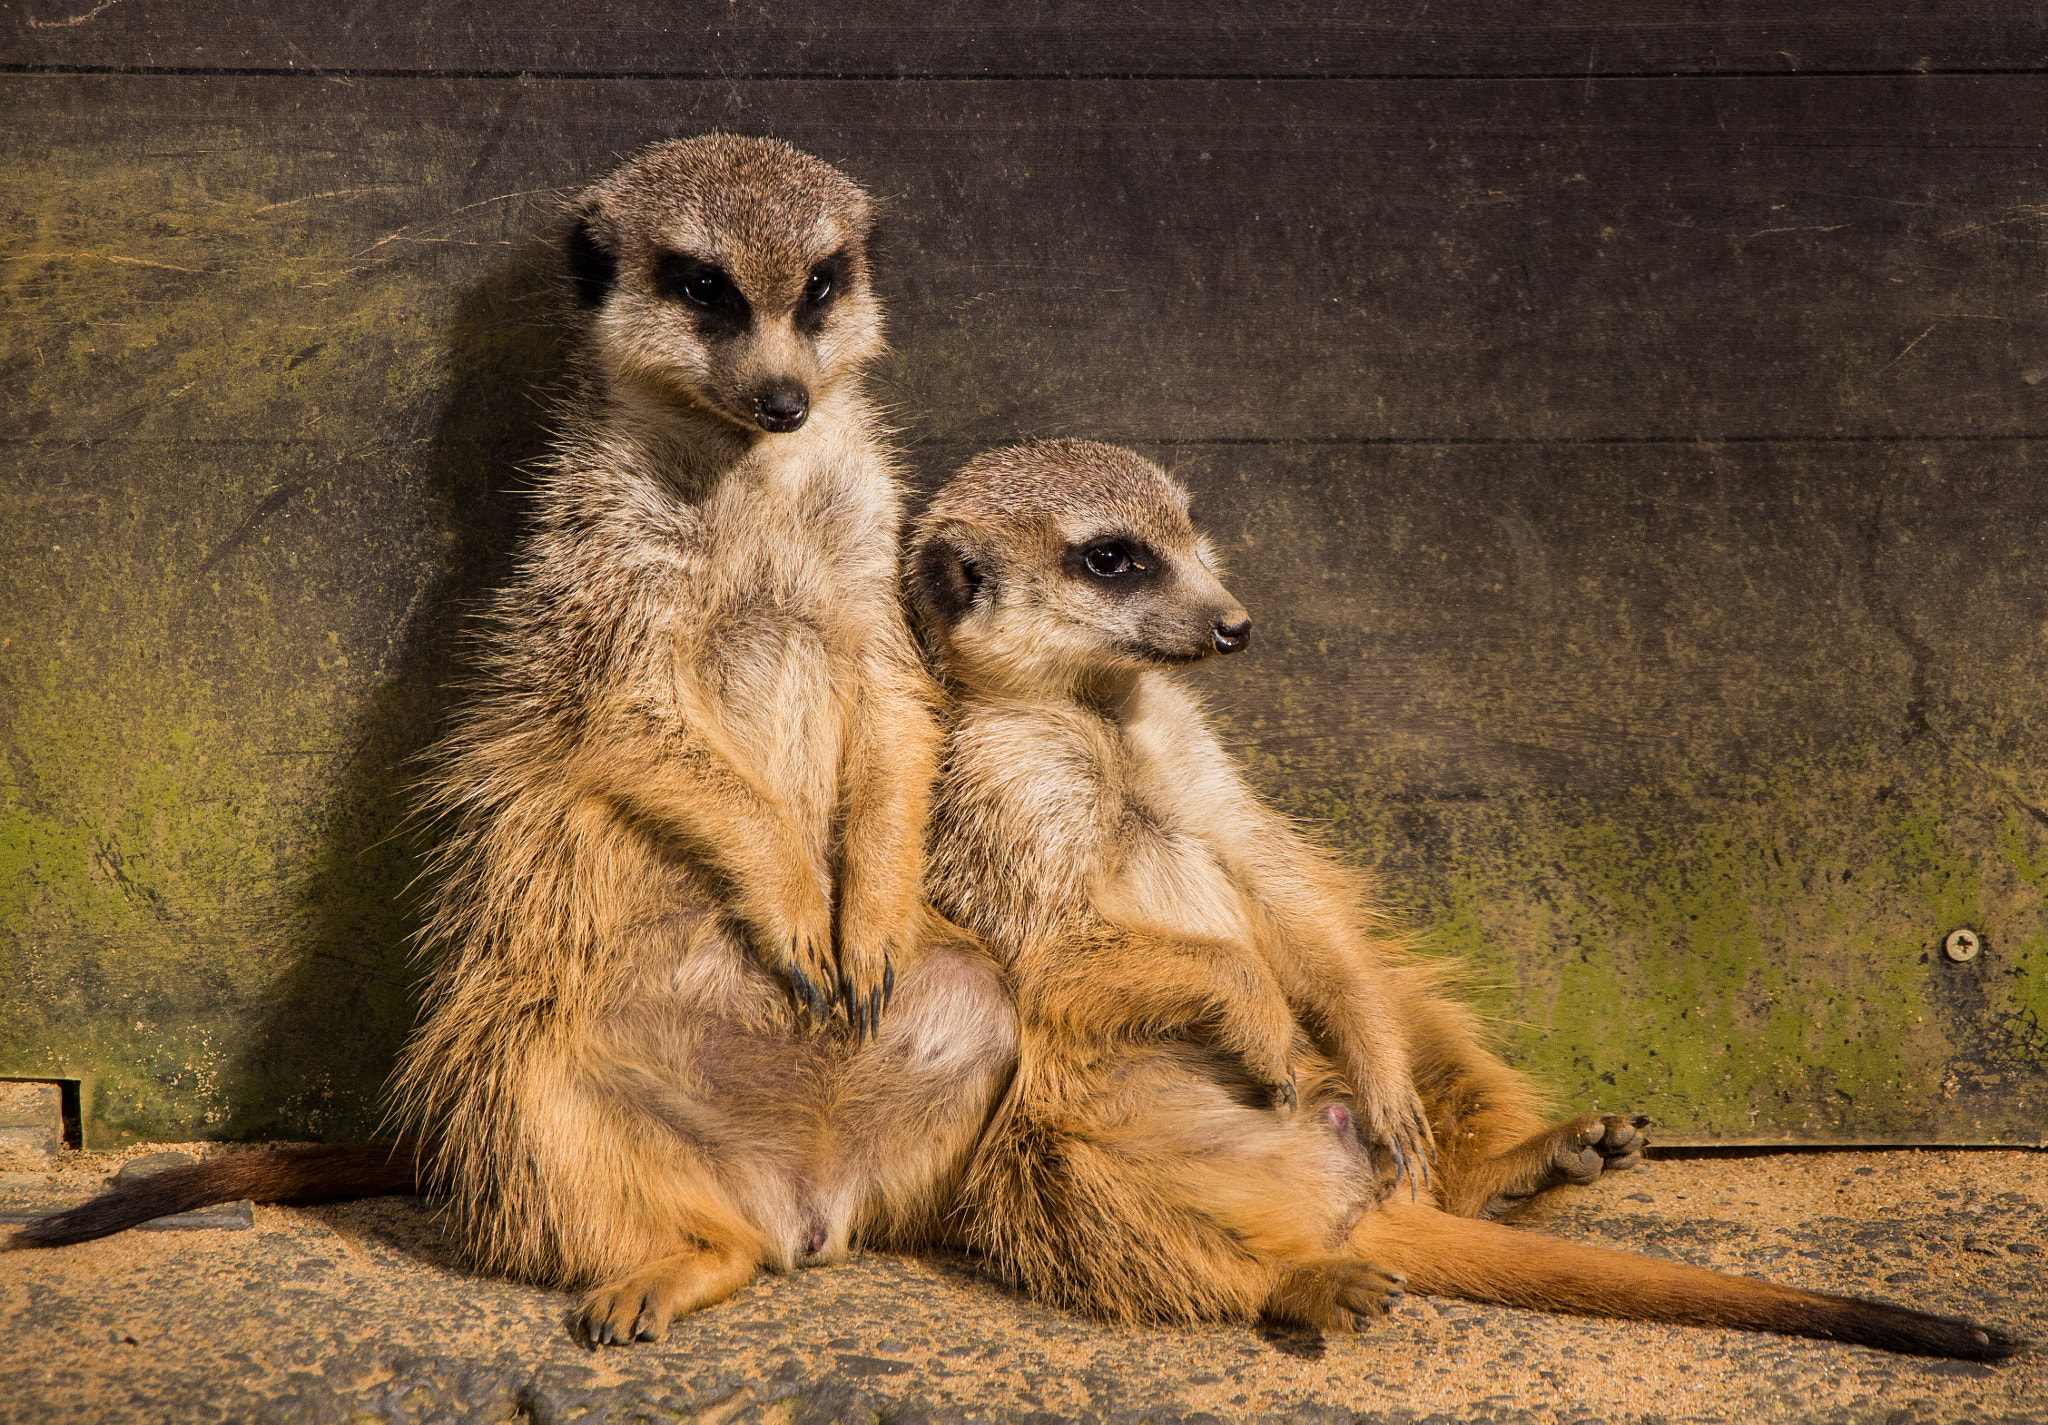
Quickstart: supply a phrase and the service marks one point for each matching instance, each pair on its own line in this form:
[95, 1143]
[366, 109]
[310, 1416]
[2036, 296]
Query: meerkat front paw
[1259, 1028]
[1392, 1120]
[869, 945]
[796, 943]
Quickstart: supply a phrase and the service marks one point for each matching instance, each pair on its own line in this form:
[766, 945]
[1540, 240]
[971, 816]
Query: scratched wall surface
[1627, 434]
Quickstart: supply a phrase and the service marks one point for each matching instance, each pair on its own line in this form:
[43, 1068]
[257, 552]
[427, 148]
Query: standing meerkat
[690, 1015]
[1220, 1044]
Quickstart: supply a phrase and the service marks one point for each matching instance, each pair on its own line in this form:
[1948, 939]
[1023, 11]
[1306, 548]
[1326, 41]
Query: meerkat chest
[1168, 868]
[798, 569]
[806, 543]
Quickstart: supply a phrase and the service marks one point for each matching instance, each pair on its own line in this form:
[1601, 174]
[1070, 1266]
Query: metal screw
[1962, 945]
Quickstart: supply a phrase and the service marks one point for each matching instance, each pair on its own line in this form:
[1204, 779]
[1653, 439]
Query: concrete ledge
[359, 1313]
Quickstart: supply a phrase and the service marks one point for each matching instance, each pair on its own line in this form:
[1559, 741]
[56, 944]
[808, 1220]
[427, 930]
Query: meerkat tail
[326, 1173]
[1483, 1261]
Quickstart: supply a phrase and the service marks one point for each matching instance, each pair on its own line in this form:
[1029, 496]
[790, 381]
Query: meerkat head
[730, 275]
[1053, 565]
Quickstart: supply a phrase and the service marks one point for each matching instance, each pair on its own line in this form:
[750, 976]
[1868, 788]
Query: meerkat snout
[1231, 637]
[782, 408]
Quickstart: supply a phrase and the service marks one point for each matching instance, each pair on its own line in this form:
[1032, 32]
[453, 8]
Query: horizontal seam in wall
[723, 76]
[1537, 440]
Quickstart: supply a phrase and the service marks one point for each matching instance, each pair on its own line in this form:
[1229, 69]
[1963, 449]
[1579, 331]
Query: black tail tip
[1953, 1337]
[102, 1217]
[1996, 1345]
[45, 1232]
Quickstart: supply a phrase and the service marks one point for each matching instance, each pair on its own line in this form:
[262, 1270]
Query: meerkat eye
[695, 281]
[821, 290]
[1109, 561]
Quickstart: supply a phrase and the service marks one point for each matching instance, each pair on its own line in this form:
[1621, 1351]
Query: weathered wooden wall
[1627, 432]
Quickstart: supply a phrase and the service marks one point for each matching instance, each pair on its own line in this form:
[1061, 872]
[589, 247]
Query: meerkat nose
[1230, 637]
[781, 408]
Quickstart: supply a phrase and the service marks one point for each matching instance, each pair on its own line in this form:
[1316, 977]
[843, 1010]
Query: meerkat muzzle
[781, 408]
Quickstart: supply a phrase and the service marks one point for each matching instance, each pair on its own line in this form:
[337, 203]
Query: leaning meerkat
[686, 800]
[1195, 1129]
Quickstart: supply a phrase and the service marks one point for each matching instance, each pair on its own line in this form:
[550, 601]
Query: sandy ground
[359, 1313]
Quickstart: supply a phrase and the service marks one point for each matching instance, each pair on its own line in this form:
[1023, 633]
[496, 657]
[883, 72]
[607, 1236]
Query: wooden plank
[902, 38]
[1702, 750]
[1722, 260]
[1617, 561]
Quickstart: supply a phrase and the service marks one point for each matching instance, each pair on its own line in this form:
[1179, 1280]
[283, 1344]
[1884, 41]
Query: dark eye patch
[1113, 562]
[715, 300]
[822, 287]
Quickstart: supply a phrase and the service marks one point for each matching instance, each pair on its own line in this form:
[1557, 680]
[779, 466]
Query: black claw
[874, 1011]
[1400, 1162]
[888, 982]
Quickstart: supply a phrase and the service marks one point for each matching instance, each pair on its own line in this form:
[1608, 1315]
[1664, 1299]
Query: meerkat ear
[951, 577]
[592, 266]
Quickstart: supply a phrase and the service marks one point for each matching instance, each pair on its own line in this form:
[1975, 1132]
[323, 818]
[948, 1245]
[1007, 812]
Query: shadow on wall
[317, 1064]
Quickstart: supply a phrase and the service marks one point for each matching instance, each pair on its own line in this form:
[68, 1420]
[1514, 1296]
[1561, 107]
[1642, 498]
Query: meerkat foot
[1579, 1151]
[640, 1305]
[1598, 1143]
[1258, 1028]
[1336, 1296]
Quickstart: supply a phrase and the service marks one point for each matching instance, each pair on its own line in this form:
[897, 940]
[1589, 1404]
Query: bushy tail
[318, 1174]
[1484, 1261]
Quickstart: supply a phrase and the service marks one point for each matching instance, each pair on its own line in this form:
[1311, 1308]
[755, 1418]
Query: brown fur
[1226, 1060]
[685, 804]
[689, 794]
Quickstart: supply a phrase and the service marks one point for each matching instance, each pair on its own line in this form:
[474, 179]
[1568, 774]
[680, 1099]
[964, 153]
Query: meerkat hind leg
[909, 1107]
[641, 1304]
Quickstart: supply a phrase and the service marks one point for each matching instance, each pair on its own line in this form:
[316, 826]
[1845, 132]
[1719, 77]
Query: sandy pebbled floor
[357, 1313]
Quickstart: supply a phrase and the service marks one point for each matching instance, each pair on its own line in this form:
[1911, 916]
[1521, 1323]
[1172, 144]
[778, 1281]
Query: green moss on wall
[227, 561]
